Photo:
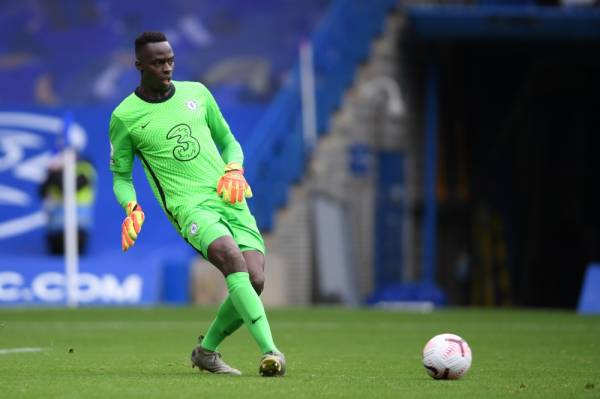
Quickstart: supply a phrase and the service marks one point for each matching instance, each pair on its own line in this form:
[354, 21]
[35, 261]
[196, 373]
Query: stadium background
[455, 161]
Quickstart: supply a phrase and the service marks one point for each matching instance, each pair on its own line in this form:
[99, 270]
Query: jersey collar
[162, 100]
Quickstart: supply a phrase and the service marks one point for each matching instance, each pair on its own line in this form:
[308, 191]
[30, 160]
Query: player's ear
[138, 64]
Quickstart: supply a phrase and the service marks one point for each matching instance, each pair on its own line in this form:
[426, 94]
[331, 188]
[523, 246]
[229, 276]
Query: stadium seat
[589, 299]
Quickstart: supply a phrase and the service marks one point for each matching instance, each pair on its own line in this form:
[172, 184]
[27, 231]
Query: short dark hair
[148, 37]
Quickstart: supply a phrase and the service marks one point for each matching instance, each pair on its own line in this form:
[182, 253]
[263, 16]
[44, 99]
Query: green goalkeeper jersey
[183, 143]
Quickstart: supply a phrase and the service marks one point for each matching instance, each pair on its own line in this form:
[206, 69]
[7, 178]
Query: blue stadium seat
[589, 299]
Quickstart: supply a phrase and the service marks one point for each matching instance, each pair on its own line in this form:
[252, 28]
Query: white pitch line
[20, 350]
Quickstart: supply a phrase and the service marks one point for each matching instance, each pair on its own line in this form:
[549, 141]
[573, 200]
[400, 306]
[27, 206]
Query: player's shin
[248, 304]
[227, 321]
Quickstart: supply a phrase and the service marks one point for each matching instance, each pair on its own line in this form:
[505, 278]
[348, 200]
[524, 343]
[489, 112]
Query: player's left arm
[230, 148]
[232, 186]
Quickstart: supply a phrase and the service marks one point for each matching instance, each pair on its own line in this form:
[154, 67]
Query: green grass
[143, 353]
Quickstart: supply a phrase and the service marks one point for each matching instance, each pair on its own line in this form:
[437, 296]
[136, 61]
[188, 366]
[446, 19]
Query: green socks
[248, 305]
[227, 321]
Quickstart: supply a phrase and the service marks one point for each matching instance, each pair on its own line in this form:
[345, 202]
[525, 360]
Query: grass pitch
[331, 352]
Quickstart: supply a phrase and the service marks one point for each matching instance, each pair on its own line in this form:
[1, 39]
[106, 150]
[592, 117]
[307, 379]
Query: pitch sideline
[20, 350]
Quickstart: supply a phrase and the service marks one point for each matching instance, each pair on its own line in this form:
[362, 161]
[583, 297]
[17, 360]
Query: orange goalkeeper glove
[131, 225]
[232, 186]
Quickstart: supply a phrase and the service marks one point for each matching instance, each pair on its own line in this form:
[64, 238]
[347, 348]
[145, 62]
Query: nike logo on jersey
[143, 126]
[257, 319]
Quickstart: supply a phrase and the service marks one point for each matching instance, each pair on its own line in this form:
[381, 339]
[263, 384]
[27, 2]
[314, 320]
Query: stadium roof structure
[508, 22]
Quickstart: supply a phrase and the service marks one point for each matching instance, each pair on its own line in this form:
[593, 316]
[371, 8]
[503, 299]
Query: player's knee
[258, 282]
[233, 260]
[227, 258]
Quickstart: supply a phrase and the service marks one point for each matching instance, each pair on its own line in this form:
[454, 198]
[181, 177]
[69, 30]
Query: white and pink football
[447, 357]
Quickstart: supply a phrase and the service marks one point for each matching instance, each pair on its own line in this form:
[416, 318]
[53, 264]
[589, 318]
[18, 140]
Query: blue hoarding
[42, 281]
[28, 274]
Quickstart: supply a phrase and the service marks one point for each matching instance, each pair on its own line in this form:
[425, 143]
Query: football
[447, 357]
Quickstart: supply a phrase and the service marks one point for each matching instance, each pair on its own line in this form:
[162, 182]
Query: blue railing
[276, 154]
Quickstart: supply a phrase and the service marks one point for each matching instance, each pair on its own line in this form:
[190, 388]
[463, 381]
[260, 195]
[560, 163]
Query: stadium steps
[360, 119]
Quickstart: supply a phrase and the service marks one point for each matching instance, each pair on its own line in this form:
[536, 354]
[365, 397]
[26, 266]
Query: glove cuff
[132, 206]
[231, 166]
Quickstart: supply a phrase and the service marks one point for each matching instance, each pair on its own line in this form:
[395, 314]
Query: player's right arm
[121, 161]
[121, 165]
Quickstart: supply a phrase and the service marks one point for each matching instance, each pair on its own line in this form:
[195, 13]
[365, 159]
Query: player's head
[155, 60]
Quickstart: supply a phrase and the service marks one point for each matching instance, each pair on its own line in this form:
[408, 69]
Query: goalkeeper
[194, 166]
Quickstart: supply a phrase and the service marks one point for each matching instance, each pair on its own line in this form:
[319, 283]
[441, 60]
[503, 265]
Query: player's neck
[153, 96]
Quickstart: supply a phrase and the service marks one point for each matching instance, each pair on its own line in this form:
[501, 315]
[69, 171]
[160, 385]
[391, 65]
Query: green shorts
[216, 218]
